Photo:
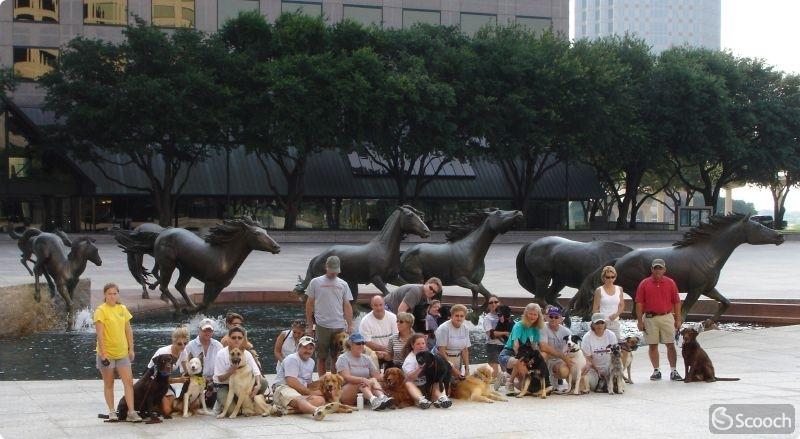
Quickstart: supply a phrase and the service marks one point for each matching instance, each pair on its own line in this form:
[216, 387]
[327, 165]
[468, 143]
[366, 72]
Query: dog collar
[624, 347]
[163, 374]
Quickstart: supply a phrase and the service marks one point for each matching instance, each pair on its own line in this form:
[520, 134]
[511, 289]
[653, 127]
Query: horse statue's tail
[302, 283]
[524, 276]
[136, 242]
[581, 303]
[12, 233]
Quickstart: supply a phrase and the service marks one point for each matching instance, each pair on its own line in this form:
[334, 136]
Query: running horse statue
[375, 262]
[147, 231]
[27, 238]
[460, 260]
[694, 262]
[62, 267]
[547, 265]
[213, 260]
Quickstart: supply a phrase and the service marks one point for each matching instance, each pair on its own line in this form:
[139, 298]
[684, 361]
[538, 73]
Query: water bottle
[360, 401]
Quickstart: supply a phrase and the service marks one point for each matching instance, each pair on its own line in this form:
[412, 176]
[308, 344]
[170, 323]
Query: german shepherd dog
[697, 363]
[437, 372]
[537, 371]
[149, 390]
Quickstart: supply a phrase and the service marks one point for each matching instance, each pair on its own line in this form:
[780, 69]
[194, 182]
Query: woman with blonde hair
[112, 322]
[609, 300]
[180, 338]
[405, 328]
[528, 331]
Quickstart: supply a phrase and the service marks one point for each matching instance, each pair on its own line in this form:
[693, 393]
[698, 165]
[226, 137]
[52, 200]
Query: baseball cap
[598, 317]
[658, 263]
[206, 324]
[553, 310]
[333, 264]
[305, 341]
[357, 338]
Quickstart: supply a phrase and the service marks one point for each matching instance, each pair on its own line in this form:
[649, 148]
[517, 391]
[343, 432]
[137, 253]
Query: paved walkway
[764, 271]
[765, 360]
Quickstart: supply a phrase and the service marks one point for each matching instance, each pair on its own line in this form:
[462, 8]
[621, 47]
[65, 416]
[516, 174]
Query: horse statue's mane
[466, 223]
[706, 231]
[229, 229]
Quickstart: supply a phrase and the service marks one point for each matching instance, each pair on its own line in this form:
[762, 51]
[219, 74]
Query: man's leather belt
[653, 314]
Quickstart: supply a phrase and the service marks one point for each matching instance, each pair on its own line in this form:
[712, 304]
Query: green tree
[411, 115]
[8, 81]
[148, 103]
[778, 142]
[526, 103]
[615, 137]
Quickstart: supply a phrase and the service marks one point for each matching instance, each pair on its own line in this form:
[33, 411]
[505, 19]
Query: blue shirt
[523, 334]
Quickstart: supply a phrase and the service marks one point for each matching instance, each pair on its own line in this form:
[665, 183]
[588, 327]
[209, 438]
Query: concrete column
[728, 199]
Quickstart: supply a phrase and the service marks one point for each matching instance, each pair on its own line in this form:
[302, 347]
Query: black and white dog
[578, 383]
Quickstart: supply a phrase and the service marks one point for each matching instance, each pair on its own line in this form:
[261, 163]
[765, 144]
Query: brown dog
[477, 387]
[240, 385]
[628, 345]
[395, 380]
[331, 387]
[341, 344]
[698, 366]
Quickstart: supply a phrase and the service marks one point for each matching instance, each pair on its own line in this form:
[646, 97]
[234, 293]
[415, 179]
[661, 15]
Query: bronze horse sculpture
[61, 267]
[547, 265]
[460, 260]
[213, 259]
[377, 261]
[694, 262]
[136, 259]
[27, 238]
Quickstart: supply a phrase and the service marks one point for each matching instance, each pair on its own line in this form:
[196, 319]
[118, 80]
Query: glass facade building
[662, 23]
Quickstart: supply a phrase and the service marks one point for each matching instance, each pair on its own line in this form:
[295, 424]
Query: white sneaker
[499, 380]
[562, 388]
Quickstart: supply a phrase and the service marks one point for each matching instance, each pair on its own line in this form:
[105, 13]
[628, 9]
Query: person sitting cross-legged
[361, 375]
[291, 390]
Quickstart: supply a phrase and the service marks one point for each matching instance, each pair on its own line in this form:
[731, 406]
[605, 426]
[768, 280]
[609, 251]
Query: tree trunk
[622, 215]
[165, 209]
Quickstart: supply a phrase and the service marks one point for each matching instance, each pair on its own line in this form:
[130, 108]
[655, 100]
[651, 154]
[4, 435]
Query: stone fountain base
[20, 314]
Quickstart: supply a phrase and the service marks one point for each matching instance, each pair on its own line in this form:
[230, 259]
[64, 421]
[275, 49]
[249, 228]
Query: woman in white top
[180, 338]
[287, 342]
[452, 341]
[609, 300]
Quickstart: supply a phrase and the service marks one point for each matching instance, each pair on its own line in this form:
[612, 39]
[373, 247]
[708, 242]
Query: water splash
[83, 321]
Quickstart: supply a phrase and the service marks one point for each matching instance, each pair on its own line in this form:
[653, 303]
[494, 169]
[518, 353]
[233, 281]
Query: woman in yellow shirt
[112, 321]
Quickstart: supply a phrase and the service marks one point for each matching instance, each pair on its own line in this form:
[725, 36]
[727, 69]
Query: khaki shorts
[659, 329]
[284, 395]
[324, 343]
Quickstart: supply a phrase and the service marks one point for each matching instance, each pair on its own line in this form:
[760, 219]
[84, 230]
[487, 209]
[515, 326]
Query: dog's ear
[202, 357]
[190, 356]
[340, 379]
[566, 338]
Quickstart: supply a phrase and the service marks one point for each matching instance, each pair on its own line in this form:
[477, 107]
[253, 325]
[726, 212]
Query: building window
[472, 23]
[310, 9]
[413, 16]
[535, 24]
[17, 167]
[31, 63]
[44, 11]
[365, 15]
[227, 9]
[173, 13]
[109, 12]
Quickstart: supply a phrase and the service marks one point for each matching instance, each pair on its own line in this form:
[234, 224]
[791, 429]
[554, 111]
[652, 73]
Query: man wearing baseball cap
[328, 307]
[292, 382]
[658, 310]
[556, 332]
[205, 345]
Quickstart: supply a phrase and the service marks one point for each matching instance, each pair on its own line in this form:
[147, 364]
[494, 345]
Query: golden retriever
[331, 387]
[478, 387]
[395, 386]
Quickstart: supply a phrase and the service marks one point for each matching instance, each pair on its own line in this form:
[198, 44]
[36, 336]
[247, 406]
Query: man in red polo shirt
[658, 309]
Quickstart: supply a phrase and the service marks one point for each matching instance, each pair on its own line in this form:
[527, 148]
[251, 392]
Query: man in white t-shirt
[205, 345]
[596, 348]
[223, 369]
[377, 327]
[293, 380]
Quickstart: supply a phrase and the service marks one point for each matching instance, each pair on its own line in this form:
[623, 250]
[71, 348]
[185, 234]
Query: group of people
[388, 332]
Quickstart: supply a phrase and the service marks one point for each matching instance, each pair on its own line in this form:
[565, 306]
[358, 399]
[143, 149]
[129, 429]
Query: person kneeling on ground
[596, 346]
[361, 375]
[291, 390]
[415, 377]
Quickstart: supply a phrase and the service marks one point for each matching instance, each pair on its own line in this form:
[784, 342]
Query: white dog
[578, 383]
[196, 388]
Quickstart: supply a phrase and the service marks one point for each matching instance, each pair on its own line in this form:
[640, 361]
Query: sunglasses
[611, 277]
[362, 343]
[492, 302]
[180, 343]
[237, 338]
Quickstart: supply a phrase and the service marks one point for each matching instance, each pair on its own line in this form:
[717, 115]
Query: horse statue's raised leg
[66, 295]
[692, 297]
[463, 282]
[180, 285]
[24, 261]
[380, 284]
[211, 291]
[164, 278]
[37, 271]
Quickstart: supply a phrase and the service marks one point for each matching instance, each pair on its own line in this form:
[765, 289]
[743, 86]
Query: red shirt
[657, 296]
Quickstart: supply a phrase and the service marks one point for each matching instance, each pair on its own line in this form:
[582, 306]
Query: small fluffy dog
[341, 344]
[193, 391]
[395, 380]
[628, 346]
[616, 381]
[578, 384]
[533, 359]
[477, 387]
[239, 385]
[437, 372]
[697, 363]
